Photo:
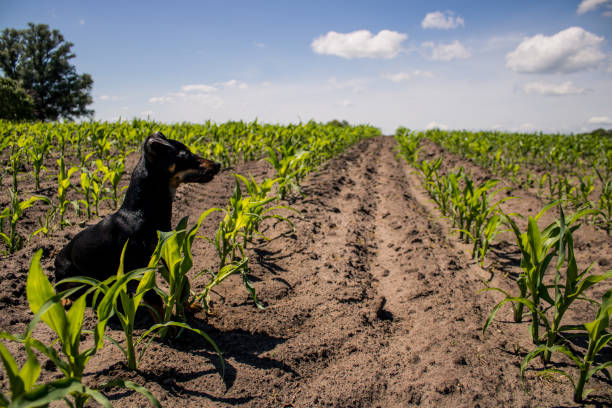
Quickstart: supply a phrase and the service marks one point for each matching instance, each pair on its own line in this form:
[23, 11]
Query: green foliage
[13, 212]
[68, 327]
[39, 60]
[598, 337]
[15, 103]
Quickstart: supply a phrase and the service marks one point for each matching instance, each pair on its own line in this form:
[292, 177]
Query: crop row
[87, 161]
[476, 217]
[575, 169]
[293, 151]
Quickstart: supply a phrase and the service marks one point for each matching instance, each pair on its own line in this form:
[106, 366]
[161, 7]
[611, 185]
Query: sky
[532, 65]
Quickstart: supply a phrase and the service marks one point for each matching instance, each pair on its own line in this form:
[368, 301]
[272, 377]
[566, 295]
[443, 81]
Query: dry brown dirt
[371, 302]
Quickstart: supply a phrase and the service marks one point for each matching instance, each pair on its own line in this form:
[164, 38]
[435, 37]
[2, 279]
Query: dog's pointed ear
[156, 145]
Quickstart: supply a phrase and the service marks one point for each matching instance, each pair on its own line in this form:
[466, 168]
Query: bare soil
[371, 302]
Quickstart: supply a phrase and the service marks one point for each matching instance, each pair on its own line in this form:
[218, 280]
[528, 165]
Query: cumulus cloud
[443, 21]
[161, 99]
[405, 76]
[570, 50]
[549, 89]
[198, 88]
[359, 44]
[447, 52]
[589, 5]
[436, 125]
[233, 83]
[355, 85]
[600, 120]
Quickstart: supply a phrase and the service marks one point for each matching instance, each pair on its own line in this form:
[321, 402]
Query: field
[371, 297]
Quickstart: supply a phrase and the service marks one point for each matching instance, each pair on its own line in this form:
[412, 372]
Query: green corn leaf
[30, 371]
[16, 383]
[75, 322]
[47, 393]
[38, 291]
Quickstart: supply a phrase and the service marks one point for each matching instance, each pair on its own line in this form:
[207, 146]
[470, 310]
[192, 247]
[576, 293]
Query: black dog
[147, 208]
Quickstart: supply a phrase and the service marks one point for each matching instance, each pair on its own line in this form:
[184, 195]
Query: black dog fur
[147, 208]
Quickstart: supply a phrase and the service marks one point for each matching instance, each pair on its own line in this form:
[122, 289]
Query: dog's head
[175, 160]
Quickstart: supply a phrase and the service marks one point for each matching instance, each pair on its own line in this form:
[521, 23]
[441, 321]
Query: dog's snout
[210, 166]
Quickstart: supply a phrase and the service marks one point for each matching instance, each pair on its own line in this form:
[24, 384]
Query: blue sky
[520, 65]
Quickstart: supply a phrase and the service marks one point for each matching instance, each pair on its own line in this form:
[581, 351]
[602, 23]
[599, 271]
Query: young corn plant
[538, 249]
[118, 300]
[174, 248]
[113, 174]
[37, 153]
[46, 305]
[13, 212]
[291, 168]
[63, 185]
[255, 205]
[598, 336]
[576, 283]
[604, 204]
[241, 220]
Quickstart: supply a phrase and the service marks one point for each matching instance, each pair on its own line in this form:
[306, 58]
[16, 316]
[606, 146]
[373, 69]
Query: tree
[38, 59]
[15, 103]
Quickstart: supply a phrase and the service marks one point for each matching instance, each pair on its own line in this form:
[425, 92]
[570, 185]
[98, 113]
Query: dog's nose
[217, 167]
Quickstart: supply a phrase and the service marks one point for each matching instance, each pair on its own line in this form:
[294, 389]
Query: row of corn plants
[574, 168]
[547, 295]
[471, 207]
[172, 261]
[548, 298]
[239, 227]
[84, 163]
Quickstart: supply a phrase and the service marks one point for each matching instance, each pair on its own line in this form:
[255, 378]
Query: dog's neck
[150, 195]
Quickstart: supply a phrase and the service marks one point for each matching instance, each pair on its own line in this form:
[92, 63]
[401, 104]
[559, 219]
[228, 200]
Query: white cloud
[113, 98]
[570, 50]
[359, 44]
[405, 76]
[198, 88]
[447, 52]
[233, 83]
[161, 99]
[355, 85]
[443, 21]
[589, 5]
[436, 125]
[549, 89]
[346, 103]
[600, 120]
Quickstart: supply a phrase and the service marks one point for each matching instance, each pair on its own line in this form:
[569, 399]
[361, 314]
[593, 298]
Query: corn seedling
[254, 206]
[36, 153]
[291, 168]
[598, 337]
[13, 212]
[45, 303]
[63, 184]
[174, 248]
[113, 174]
[604, 204]
[238, 222]
[408, 144]
[118, 300]
[538, 248]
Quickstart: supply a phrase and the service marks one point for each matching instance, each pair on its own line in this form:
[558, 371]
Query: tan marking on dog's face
[172, 168]
[177, 179]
